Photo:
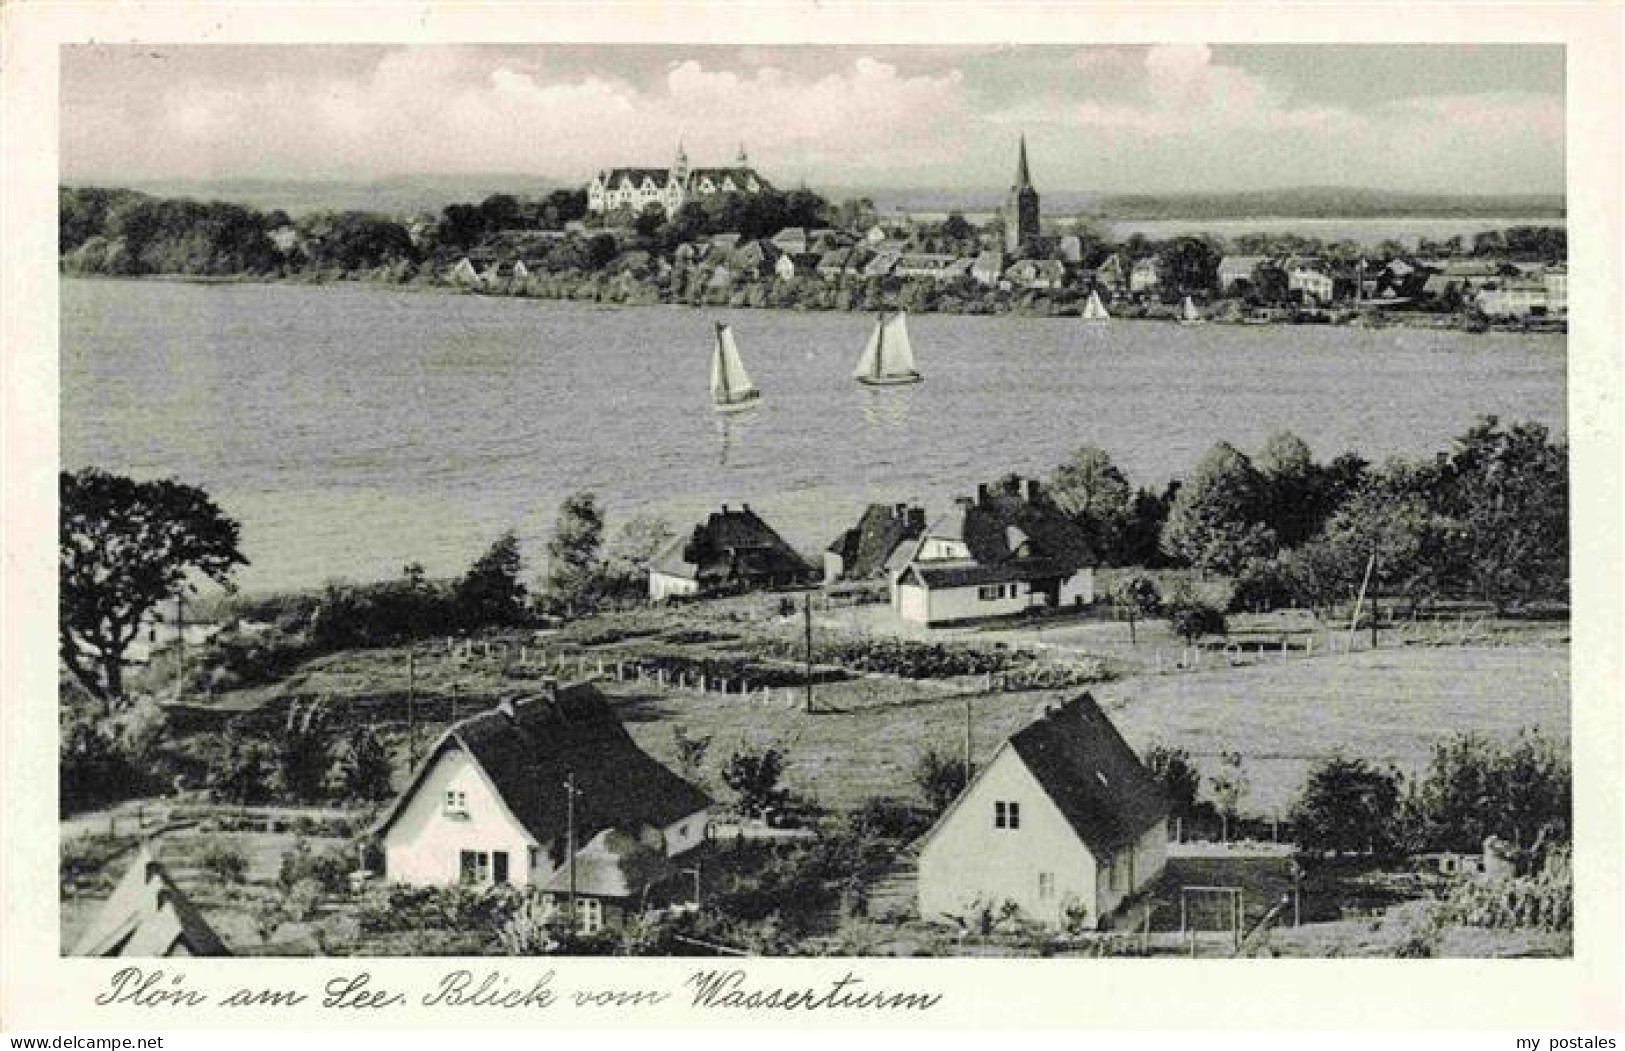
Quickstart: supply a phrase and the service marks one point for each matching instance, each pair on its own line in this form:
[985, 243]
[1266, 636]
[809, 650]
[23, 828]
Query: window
[475, 868]
[456, 802]
[499, 866]
[1006, 814]
[592, 915]
[1046, 886]
[535, 857]
[994, 592]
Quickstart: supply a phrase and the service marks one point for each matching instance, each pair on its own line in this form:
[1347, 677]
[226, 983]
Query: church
[1021, 214]
[670, 188]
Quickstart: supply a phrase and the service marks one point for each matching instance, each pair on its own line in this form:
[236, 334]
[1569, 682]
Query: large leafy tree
[1216, 521]
[126, 546]
[1521, 791]
[1091, 490]
[573, 551]
[1348, 807]
[1506, 491]
[1178, 777]
[491, 593]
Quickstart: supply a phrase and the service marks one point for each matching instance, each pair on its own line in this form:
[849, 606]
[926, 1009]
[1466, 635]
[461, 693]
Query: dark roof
[1014, 532]
[866, 547]
[733, 547]
[147, 915]
[658, 176]
[1091, 774]
[529, 747]
[611, 865]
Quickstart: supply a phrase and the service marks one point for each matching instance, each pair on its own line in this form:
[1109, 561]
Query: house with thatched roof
[861, 552]
[1064, 822]
[732, 550]
[492, 803]
[149, 916]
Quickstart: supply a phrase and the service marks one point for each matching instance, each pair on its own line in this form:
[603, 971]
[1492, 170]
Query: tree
[1217, 521]
[490, 593]
[572, 553]
[690, 754]
[301, 755]
[754, 776]
[1174, 772]
[127, 546]
[1189, 265]
[1506, 493]
[650, 220]
[241, 774]
[1348, 807]
[940, 777]
[1137, 596]
[1090, 489]
[365, 767]
[1291, 488]
[1191, 616]
[1229, 788]
[1474, 788]
[636, 544]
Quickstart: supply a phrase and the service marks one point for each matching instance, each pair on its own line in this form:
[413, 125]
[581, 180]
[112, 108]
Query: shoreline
[1346, 316]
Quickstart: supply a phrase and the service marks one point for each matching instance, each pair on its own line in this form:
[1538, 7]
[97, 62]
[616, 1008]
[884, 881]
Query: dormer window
[456, 803]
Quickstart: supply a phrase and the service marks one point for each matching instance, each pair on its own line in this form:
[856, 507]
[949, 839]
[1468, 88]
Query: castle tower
[679, 167]
[1021, 214]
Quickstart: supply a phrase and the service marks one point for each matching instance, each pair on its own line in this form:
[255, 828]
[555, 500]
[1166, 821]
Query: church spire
[1024, 180]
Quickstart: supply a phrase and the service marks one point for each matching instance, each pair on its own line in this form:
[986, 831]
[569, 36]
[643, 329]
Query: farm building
[730, 551]
[861, 552]
[147, 915]
[1064, 822]
[490, 804]
[1007, 551]
[616, 878]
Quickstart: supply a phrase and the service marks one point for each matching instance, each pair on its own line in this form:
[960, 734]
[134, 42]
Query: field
[1387, 706]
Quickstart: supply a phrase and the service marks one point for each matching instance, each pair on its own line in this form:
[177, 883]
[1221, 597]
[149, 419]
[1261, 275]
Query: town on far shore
[728, 236]
[1286, 707]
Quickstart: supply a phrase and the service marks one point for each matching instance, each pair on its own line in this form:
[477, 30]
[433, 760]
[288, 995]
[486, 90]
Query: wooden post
[806, 620]
[1359, 601]
[570, 840]
[412, 707]
[967, 742]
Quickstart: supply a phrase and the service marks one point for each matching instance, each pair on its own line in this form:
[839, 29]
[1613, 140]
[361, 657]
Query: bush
[1476, 788]
[754, 776]
[1191, 616]
[1348, 807]
[224, 861]
[328, 870]
[887, 818]
[940, 778]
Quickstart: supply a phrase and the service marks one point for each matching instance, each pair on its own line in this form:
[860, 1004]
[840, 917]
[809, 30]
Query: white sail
[896, 352]
[729, 380]
[1188, 312]
[869, 361]
[1095, 310]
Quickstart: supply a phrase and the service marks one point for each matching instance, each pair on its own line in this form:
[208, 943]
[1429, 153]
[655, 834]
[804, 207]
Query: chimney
[900, 511]
[724, 508]
[916, 518]
[1029, 489]
[744, 509]
[981, 493]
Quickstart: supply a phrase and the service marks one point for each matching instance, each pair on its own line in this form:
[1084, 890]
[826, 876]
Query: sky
[1154, 119]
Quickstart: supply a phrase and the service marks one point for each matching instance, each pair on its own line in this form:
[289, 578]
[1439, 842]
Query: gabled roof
[984, 525]
[1091, 774]
[147, 915]
[867, 547]
[611, 865]
[529, 748]
[731, 546]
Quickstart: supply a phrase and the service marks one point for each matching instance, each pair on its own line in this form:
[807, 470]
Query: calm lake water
[352, 430]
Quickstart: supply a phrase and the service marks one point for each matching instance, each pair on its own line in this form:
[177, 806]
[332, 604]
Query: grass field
[1387, 706]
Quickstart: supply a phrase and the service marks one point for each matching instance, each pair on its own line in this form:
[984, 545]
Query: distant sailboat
[888, 357]
[1095, 310]
[731, 388]
[1189, 315]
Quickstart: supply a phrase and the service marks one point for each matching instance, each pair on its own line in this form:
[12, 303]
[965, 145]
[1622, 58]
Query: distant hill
[393, 195]
[1299, 202]
[406, 194]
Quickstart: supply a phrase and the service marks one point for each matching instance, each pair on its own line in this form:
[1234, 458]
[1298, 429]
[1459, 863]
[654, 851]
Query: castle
[670, 188]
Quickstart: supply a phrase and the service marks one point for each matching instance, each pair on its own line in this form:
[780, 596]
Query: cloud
[453, 110]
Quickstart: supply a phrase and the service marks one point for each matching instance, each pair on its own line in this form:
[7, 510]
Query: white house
[1007, 551]
[670, 188]
[1234, 269]
[1064, 822]
[1515, 297]
[490, 804]
[1144, 276]
[1315, 285]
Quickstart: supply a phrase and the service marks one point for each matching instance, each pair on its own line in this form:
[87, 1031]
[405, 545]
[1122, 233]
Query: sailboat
[1189, 315]
[1095, 310]
[731, 388]
[888, 357]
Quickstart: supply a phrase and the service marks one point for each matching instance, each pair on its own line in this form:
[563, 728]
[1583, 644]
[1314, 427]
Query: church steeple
[1024, 179]
[1021, 216]
[679, 167]
[742, 161]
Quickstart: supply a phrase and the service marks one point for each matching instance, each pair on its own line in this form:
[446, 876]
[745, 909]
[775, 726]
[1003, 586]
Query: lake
[355, 429]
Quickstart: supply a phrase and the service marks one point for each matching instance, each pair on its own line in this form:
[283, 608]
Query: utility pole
[806, 621]
[1359, 602]
[967, 740]
[570, 840]
[412, 706]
